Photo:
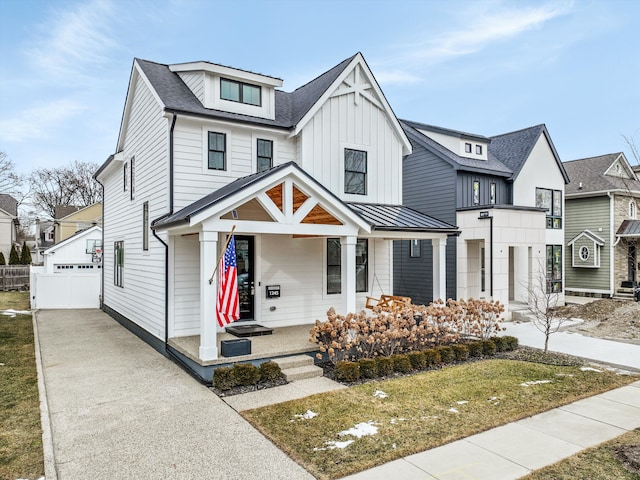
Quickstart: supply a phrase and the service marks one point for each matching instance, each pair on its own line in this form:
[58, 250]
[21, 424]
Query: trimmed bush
[347, 371]
[488, 347]
[246, 374]
[384, 366]
[432, 357]
[368, 368]
[224, 378]
[418, 360]
[446, 354]
[401, 363]
[461, 352]
[475, 348]
[511, 343]
[500, 342]
[270, 371]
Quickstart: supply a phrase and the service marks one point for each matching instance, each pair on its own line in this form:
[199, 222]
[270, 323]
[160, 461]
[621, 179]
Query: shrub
[401, 363]
[511, 342]
[446, 354]
[461, 352]
[432, 357]
[500, 343]
[475, 348]
[270, 371]
[346, 371]
[418, 360]
[246, 373]
[224, 378]
[2, 260]
[368, 368]
[384, 366]
[488, 347]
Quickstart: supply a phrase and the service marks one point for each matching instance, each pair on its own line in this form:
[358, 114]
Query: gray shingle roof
[289, 107]
[591, 173]
[399, 218]
[513, 148]
[9, 204]
[492, 165]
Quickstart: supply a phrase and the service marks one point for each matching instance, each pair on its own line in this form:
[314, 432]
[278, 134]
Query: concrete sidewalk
[120, 410]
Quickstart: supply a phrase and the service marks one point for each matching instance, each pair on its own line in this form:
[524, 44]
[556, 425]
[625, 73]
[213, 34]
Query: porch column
[521, 273]
[439, 246]
[348, 274]
[208, 322]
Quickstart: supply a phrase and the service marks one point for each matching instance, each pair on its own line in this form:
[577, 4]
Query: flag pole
[224, 249]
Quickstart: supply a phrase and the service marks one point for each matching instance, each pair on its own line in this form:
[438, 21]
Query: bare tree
[544, 303]
[70, 185]
[633, 148]
[10, 181]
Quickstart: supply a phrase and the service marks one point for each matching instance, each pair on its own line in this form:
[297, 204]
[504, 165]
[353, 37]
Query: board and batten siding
[341, 124]
[141, 299]
[193, 180]
[429, 186]
[464, 196]
[591, 214]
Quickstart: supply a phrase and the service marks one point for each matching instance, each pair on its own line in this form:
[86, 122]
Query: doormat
[248, 330]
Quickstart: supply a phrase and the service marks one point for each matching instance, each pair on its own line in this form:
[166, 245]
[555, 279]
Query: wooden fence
[14, 277]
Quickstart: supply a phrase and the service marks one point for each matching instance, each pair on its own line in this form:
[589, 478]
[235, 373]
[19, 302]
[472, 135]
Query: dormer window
[467, 148]
[478, 149]
[240, 92]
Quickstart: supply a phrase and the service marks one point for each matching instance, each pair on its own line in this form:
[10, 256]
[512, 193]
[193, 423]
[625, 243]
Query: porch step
[300, 373]
[298, 367]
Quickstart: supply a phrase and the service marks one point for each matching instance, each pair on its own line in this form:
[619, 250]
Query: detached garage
[70, 277]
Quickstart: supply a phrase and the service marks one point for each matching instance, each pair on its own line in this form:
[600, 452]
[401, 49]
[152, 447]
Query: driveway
[120, 410]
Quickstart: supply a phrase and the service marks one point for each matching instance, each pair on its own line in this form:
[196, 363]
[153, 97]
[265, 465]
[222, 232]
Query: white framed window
[476, 192]
[584, 253]
[633, 209]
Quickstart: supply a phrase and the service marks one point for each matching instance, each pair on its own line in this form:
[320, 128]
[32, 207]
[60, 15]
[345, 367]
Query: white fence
[64, 290]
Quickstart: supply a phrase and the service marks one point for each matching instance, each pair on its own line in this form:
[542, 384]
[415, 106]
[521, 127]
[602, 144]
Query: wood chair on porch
[388, 303]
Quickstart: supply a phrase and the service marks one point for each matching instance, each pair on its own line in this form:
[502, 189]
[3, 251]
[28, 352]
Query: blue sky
[486, 67]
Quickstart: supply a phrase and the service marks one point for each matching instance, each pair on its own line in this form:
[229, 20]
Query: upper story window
[133, 177]
[476, 192]
[551, 201]
[492, 194]
[125, 176]
[240, 92]
[633, 209]
[467, 148]
[478, 149]
[217, 151]
[355, 171]
[265, 155]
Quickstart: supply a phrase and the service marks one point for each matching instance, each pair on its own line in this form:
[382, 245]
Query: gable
[357, 83]
[620, 168]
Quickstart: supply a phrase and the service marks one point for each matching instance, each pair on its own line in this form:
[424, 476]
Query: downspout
[612, 246]
[102, 229]
[491, 256]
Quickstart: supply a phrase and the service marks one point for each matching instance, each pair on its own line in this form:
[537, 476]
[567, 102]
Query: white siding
[195, 82]
[340, 124]
[141, 299]
[186, 295]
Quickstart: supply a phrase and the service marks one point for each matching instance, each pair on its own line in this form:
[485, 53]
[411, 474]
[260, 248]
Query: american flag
[227, 307]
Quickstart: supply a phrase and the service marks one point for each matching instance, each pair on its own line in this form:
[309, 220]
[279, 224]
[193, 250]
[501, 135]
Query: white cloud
[74, 41]
[39, 122]
[395, 76]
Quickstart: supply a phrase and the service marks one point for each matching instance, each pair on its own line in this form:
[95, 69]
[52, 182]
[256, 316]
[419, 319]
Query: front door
[245, 263]
[631, 263]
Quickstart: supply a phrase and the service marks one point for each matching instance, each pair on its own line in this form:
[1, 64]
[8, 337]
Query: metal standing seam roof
[380, 217]
[629, 228]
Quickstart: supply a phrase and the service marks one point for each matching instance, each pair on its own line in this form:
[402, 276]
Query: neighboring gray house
[505, 193]
[8, 223]
[602, 233]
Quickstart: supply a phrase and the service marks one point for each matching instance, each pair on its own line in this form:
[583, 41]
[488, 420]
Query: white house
[311, 180]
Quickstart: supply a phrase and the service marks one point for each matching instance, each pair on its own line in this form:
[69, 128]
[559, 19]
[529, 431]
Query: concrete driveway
[120, 410]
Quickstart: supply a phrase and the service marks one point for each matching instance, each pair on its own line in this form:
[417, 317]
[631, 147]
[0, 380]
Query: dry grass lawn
[20, 432]
[421, 411]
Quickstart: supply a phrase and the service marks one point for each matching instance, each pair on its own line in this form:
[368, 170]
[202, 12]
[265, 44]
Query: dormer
[230, 89]
[466, 145]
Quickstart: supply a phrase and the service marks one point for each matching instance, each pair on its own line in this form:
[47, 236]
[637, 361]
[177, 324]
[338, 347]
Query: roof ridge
[347, 60]
[540, 125]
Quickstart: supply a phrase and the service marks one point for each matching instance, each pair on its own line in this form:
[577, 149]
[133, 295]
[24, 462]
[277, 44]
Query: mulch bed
[247, 388]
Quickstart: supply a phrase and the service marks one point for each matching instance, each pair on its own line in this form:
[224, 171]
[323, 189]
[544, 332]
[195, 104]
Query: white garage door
[65, 290]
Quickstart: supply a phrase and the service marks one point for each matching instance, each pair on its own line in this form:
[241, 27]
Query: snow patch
[462, 402]
[535, 382]
[453, 410]
[307, 415]
[393, 421]
[361, 430]
[333, 445]
[380, 394]
[590, 369]
[12, 313]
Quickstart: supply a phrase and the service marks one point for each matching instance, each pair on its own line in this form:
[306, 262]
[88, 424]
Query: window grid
[217, 151]
[554, 268]
[264, 155]
[240, 92]
[551, 201]
[355, 171]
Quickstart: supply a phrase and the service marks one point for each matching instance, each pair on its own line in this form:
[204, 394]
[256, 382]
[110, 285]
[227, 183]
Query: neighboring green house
[602, 230]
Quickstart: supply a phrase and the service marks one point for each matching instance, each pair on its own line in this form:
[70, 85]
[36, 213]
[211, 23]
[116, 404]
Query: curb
[50, 472]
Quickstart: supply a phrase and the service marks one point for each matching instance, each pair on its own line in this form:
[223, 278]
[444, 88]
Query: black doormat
[248, 330]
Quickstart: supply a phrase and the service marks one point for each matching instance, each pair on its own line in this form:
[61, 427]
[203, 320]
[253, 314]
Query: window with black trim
[415, 248]
[478, 149]
[240, 92]
[355, 171]
[217, 151]
[476, 192]
[554, 268]
[125, 176]
[334, 265]
[467, 148]
[551, 201]
[264, 154]
[133, 177]
[118, 263]
[145, 226]
[492, 194]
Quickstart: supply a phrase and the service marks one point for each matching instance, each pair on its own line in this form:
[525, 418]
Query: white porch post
[208, 322]
[348, 250]
[439, 246]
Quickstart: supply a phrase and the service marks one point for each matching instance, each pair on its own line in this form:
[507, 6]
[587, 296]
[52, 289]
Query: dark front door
[245, 263]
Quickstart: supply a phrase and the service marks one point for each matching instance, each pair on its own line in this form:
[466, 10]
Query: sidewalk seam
[50, 471]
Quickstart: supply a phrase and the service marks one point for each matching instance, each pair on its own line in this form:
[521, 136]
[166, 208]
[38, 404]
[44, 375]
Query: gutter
[612, 246]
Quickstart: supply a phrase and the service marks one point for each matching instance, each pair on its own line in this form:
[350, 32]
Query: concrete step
[294, 361]
[300, 373]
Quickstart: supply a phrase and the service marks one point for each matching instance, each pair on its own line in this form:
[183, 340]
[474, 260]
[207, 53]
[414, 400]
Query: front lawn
[419, 412]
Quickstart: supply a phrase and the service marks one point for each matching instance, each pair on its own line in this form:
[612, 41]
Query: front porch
[283, 342]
